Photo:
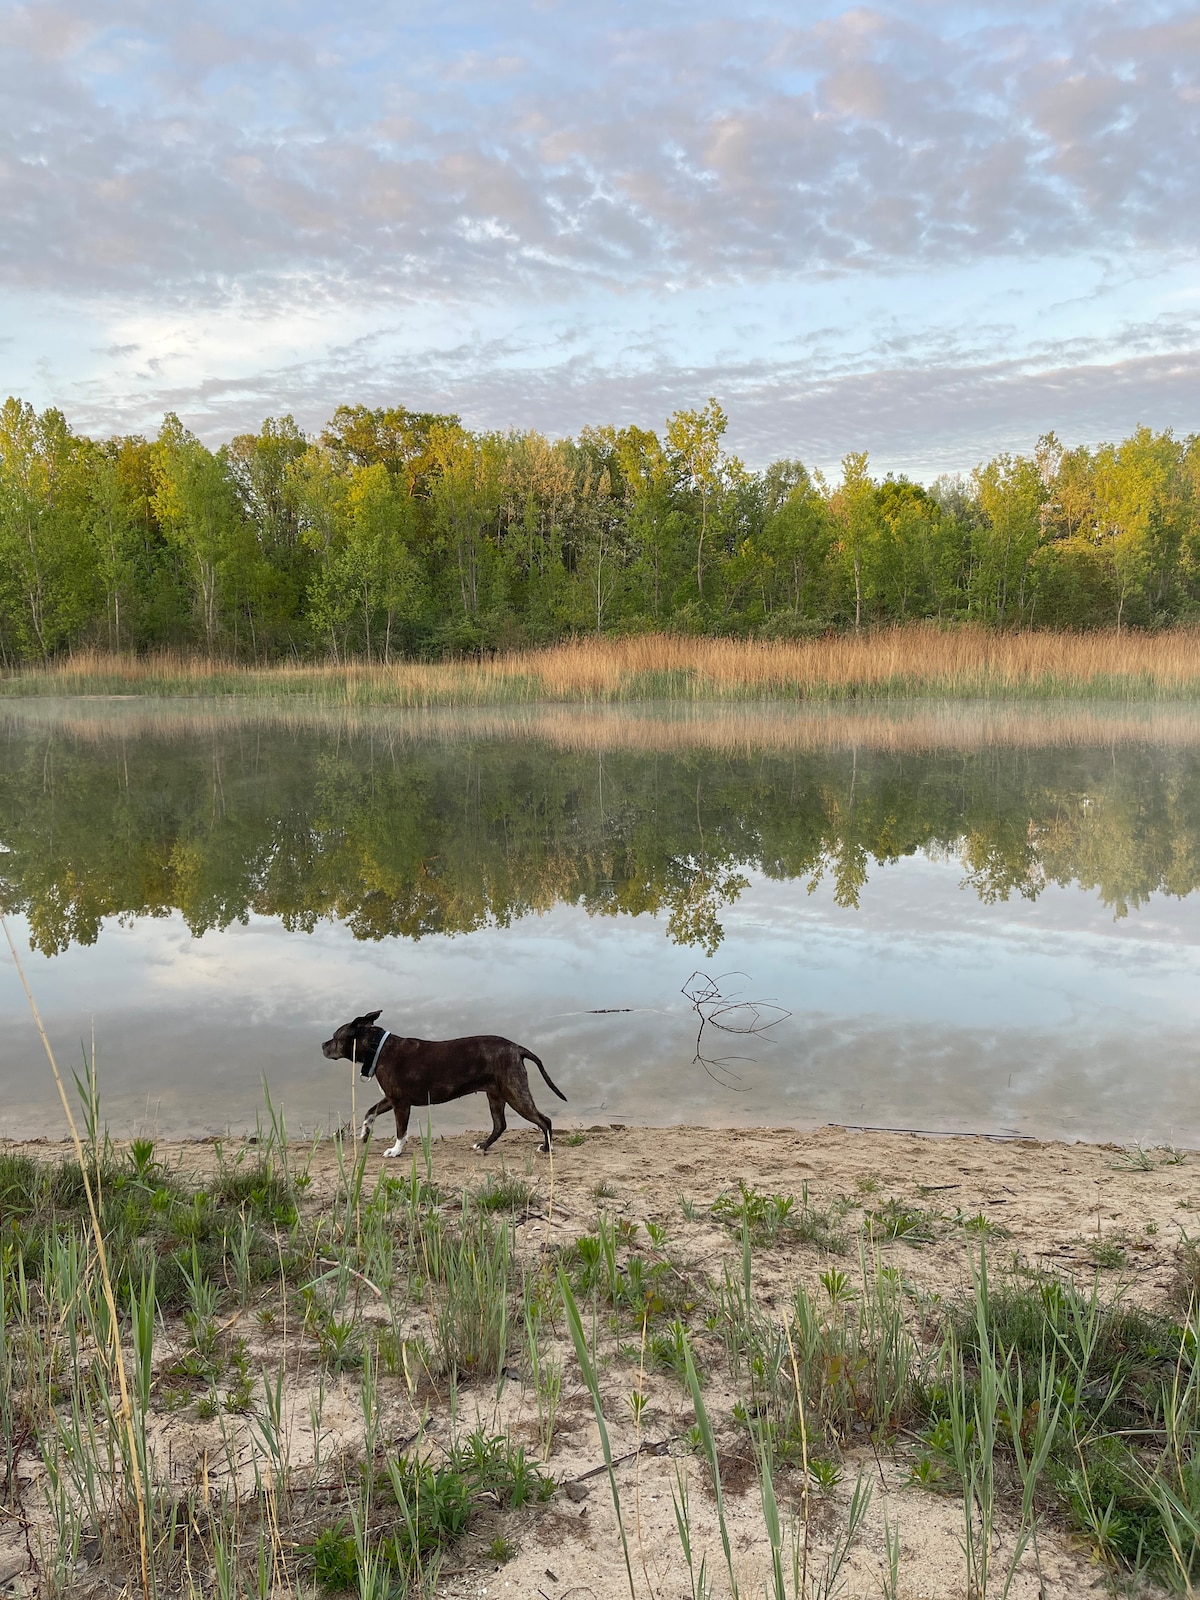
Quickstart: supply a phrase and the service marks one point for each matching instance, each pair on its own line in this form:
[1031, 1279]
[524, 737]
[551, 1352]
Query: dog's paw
[364, 1133]
[394, 1150]
[480, 1146]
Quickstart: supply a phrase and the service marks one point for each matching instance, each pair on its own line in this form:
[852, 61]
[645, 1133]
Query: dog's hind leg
[520, 1099]
[496, 1105]
[368, 1121]
[401, 1132]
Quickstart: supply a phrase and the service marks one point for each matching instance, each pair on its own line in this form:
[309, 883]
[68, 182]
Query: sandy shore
[1051, 1202]
[1071, 1210]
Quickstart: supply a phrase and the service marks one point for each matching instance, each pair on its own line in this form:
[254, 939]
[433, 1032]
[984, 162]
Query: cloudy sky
[931, 229]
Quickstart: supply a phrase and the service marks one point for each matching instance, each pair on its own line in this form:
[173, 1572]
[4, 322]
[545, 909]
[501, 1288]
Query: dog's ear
[371, 1016]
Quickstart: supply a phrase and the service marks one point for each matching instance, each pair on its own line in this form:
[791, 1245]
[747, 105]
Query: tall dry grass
[919, 660]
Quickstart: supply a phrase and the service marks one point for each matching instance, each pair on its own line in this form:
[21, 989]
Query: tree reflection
[400, 836]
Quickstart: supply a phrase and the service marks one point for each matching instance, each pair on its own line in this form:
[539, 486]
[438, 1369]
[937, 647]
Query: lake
[936, 917]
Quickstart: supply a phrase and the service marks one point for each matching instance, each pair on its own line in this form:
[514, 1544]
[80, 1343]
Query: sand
[1049, 1203]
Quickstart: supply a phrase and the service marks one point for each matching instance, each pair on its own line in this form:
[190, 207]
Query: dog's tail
[529, 1056]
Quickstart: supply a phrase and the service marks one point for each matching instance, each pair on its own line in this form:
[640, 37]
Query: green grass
[772, 1219]
[1032, 1400]
[504, 1193]
[896, 1220]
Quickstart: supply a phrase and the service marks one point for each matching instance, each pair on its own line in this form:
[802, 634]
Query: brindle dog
[420, 1072]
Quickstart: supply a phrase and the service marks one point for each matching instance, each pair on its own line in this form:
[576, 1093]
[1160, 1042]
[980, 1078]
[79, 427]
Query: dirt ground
[1073, 1210]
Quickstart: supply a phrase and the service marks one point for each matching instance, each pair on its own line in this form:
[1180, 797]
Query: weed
[22, 1185]
[917, 659]
[1185, 1283]
[1135, 1160]
[978, 1226]
[603, 1190]
[502, 1549]
[333, 1555]
[895, 1220]
[1108, 1254]
[504, 1193]
[825, 1474]
[836, 1285]
[434, 1504]
[491, 1464]
[926, 1472]
[771, 1218]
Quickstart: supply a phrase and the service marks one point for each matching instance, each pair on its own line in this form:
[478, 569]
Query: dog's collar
[369, 1072]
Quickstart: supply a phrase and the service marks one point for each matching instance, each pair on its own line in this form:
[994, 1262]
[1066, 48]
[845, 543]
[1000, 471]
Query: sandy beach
[1093, 1214]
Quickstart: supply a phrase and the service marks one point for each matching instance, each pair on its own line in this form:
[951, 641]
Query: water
[963, 919]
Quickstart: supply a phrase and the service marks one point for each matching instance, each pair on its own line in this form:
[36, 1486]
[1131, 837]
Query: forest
[398, 534]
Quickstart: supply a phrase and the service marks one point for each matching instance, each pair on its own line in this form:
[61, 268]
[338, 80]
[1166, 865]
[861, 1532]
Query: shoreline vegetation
[399, 535]
[913, 662]
[672, 1361]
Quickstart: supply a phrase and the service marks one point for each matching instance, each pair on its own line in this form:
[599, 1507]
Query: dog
[419, 1072]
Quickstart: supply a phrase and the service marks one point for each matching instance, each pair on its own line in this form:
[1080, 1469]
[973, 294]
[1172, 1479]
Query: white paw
[479, 1145]
[394, 1150]
[366, 1132]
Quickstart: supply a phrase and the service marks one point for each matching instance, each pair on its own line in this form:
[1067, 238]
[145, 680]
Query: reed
[893, 663]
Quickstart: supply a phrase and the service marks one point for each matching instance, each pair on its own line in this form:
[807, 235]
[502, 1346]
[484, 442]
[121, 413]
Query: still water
[974, 919]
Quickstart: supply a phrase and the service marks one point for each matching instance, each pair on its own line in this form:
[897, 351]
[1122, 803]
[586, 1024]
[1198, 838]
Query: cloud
[176, 154]
[561, 214]
[937, 402]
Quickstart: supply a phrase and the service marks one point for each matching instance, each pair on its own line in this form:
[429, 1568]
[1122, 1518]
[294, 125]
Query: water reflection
[411, 827]
[975, 918]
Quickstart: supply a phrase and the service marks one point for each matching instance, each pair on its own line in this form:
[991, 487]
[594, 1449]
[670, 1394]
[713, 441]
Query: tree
[652, 520]
[465, 490]
[797, 534]
[197, 504]
[694, 437]
[115, 535]
[394, 437]
[1011, 491]
[853, 507]
[47, 560]
[1143, 506]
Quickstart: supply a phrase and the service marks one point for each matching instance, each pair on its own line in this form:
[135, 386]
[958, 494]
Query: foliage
[397, 534]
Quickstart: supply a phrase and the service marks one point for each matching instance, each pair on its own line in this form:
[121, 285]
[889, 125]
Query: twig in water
[730, 1014]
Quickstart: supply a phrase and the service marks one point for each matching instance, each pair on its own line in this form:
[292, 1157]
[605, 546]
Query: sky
[931, 230]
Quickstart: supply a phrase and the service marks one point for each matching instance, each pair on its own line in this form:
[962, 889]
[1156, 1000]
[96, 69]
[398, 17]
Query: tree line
[399, 533]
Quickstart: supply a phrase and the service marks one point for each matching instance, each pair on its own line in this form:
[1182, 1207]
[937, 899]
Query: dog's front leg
[369, 1119]
[401, 1132]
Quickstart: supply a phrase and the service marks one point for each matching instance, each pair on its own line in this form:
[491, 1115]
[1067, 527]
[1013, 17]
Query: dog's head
[351, 1042]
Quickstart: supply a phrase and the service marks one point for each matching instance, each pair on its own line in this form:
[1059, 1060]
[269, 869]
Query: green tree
[1144, 507]
[196, 503]
[694, 438]
[855, 511]
[1011, 492]
[116, 536]
[798, 537]
[652, 518]
[47, 560]
[465, 494]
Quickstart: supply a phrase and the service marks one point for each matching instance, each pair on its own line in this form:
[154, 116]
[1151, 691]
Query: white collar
[369, 1072]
